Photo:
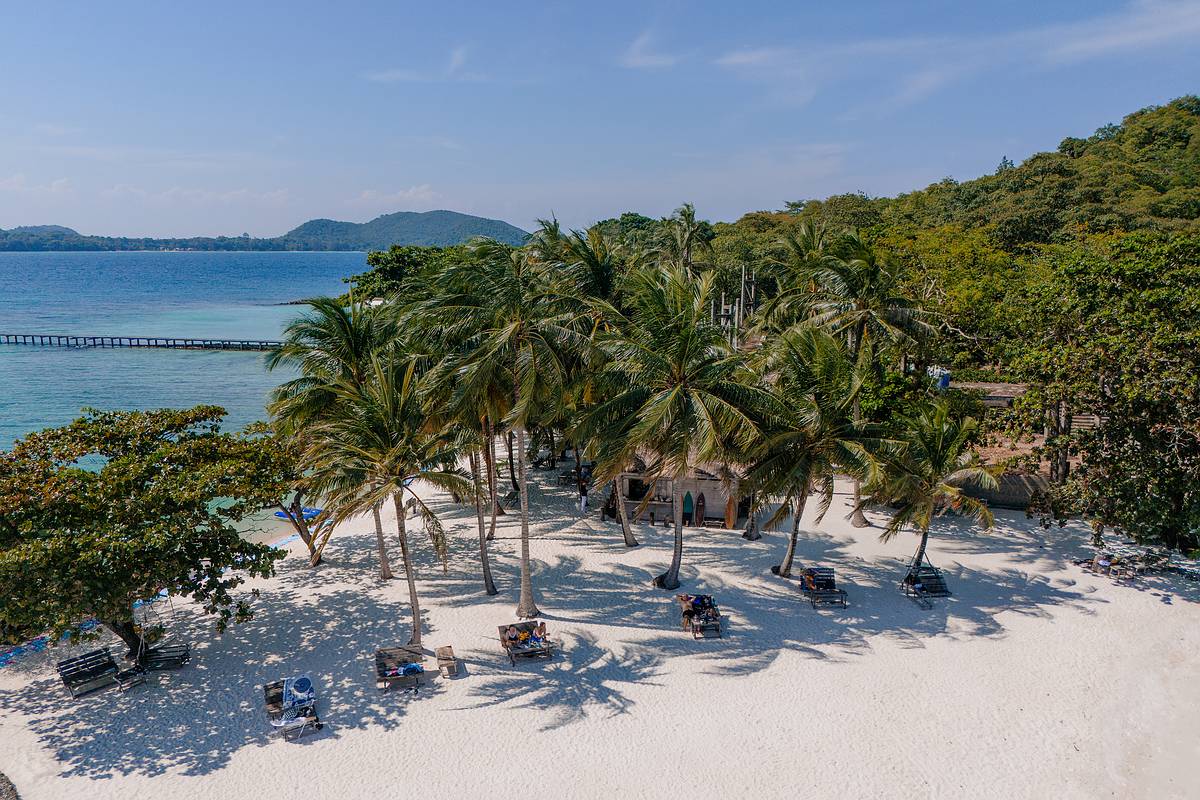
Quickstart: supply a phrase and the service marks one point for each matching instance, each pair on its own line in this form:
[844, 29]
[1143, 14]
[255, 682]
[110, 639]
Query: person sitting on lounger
[538, 637]
[512, 635]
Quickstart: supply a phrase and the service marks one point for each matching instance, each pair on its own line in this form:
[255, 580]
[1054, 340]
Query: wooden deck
[153, 342]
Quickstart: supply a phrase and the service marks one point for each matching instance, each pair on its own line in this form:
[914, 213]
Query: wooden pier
[161, 342]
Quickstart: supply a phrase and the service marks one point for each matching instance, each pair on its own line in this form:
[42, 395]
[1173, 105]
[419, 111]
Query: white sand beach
[1034, 680]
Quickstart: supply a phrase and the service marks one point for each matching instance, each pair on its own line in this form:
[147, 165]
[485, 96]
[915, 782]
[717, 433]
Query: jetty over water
[161, 342]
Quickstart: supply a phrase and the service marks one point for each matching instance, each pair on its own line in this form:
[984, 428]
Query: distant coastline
[429, 228]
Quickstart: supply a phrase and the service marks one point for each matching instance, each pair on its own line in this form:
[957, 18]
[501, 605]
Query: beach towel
[298, 691]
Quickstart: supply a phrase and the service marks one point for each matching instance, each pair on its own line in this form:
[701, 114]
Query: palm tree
[809, 434]
[374, 447]
[806, 249]
[679, 393]
[683, 239]
[518, 333]
[926, 474]
[855, 294]
[329, 344]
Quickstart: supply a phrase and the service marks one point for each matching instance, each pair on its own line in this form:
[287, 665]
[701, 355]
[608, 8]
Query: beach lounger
[819, 585]
[922, 582]
[95, 670]
[447, 662]
[167, 656]
[528, 648]
[402, 665]
[291, 706]
[699, 614]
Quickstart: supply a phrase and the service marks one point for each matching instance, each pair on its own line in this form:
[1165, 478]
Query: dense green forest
[430, 228]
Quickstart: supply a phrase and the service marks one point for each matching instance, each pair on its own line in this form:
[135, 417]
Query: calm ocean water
[226, 295]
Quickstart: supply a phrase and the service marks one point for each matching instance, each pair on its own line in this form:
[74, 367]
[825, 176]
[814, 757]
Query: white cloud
[182, 196]
[418, 196]
[909, 69]
[1141, 26]
[394, 76]
[762, 56]
[52, 129]
[456, 62]
[19, 184]
[458, 58]
[639, 55]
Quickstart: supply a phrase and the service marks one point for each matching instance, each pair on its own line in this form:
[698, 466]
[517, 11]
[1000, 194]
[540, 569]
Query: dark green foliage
[156, 511]
[1143, 173]
[401, 268]
[1113, 331]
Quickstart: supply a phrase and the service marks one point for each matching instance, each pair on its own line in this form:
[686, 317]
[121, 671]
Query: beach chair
[819, 585]
[95, 670]
[167, 656]
[447, 662]
[922, 582]
[399, 665]
[291, 706]
[526, 646]
[700, 614]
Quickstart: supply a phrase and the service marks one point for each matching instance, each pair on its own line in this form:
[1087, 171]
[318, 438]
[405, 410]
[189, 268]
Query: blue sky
[218, 118]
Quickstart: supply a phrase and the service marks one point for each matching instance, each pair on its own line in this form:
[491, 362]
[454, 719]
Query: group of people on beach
[526, 638]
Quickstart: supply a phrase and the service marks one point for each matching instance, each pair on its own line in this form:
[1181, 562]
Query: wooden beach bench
[515, 650]
[819, 585]
[922, 582]
[95, 670]
[167, 656]
[390, 663]
[699, 614]
[447, 662]
[285, 721]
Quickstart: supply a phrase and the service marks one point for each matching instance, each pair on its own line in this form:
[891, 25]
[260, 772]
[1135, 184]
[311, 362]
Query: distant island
[429, 228]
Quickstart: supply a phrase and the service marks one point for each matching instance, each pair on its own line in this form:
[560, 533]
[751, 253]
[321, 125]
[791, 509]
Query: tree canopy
[117, 507]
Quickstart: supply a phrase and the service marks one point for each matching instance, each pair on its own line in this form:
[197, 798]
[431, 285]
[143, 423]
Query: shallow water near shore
[170, 294]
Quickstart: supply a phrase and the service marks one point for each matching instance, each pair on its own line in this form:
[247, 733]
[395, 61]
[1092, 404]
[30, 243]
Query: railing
[162, 342]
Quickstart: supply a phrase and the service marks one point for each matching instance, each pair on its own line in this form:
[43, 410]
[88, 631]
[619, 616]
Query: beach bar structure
[160, 342]
[706, 499]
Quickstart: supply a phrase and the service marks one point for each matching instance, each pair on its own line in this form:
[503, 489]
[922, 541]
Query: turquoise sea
[215, 295]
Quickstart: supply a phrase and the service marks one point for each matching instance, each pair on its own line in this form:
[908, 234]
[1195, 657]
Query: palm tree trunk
[512, 473]
[488, 585]
[489, 460]
[553, 455]
[857, 518]
[623, 515]
[385, 566]
[670, 578]
[527, 605]
[578, 471]
[409, 573]
[921, 548]
[784, 569]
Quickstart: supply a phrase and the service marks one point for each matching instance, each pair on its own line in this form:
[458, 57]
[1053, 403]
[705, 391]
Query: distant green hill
[1141, 174]
[431, 228]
